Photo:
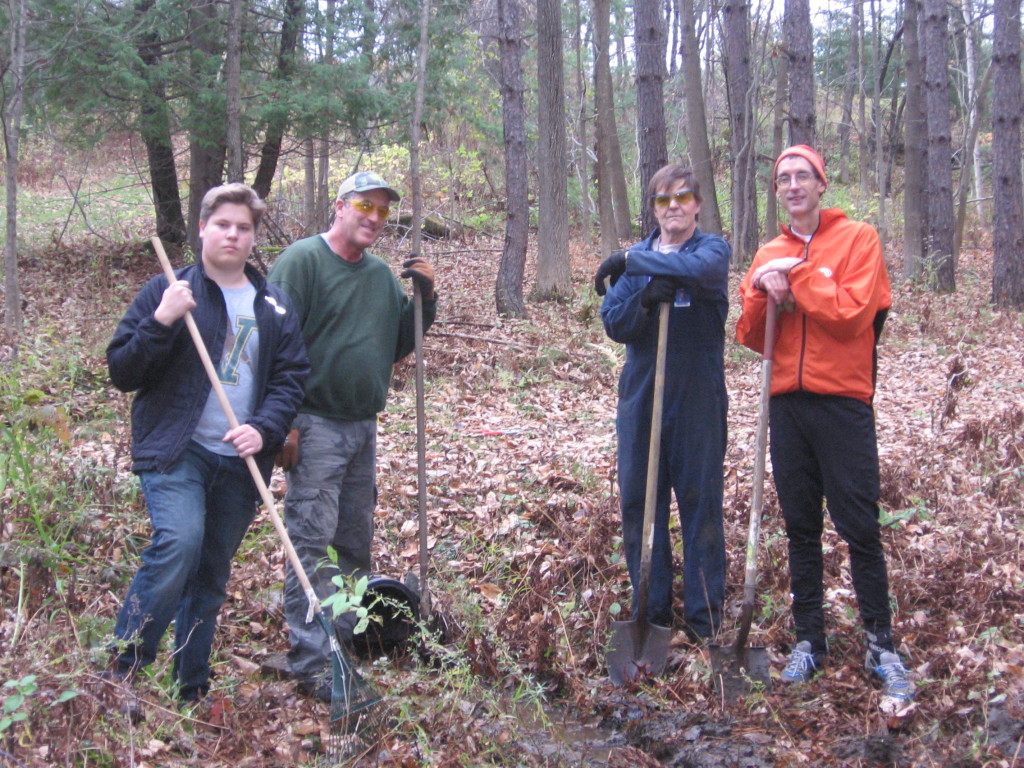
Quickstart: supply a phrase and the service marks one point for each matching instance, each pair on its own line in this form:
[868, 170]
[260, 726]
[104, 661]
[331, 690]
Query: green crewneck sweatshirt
[357, 321]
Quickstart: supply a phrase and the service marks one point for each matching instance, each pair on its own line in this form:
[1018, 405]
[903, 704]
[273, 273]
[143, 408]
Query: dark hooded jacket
[161, 365]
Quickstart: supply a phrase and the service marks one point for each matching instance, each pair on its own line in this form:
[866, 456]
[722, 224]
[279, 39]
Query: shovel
[736, 666]
[639, 647]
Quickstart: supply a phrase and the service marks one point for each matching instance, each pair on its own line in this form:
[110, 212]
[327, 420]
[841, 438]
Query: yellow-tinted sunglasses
[366, 207]
[684, 197]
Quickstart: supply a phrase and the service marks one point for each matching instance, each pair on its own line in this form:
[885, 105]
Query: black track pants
[825, 446]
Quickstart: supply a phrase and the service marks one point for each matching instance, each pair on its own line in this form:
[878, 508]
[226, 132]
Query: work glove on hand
[659, 290]
[288, 456]
[613, 267]
[422, 273]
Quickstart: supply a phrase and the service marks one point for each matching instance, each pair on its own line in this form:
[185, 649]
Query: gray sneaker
[802, 664]
[897, 689]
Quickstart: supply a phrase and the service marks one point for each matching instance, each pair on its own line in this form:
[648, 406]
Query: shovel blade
[637, 649]
[736, 671]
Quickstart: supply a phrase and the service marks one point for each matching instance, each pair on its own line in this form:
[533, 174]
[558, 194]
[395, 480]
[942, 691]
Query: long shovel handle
[261, 486]
[757, 504]
[421, 451]
[653, 462]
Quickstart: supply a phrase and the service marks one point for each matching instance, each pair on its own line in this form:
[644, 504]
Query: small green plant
[14, 702]
[349, 597]
[895, 519]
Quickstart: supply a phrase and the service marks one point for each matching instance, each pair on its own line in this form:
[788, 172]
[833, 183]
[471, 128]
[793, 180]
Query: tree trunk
[582, 143]
[697, 123]
[977, 101]
[554, 280]
[609, 157]
[207, 140]
[939, 174]
[417, 117]
[800, 54]
[675, 45]
[863, 129]
[233, 86]
[849, 89]
[13, 108]
[310, 220]
[736, 31]
[509, 288]
[650, 100]
[771, 223]
[881, 178]
[155, 127]
[1008, 206]
[915, 148]
[970, 144]
[270, 154]
[324, 194]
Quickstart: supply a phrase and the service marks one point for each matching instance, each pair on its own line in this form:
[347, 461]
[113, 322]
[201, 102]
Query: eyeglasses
[366, 207]
[800, 177]
[682, 198]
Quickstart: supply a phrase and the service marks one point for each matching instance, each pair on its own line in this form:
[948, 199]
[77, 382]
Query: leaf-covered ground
[525, 562]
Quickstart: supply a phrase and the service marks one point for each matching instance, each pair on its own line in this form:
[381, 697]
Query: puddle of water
[559, 738]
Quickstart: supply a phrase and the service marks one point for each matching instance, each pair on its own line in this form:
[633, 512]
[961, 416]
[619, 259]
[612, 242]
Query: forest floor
[525, 563]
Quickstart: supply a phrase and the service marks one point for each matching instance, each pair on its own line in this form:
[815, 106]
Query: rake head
[358, 712]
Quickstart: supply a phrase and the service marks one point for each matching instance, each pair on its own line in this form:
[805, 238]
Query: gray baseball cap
[364, 181]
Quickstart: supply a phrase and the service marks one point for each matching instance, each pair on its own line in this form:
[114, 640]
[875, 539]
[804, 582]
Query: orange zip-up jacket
[827, 343]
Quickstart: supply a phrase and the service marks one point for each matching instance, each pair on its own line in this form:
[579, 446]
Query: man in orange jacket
[827, 275]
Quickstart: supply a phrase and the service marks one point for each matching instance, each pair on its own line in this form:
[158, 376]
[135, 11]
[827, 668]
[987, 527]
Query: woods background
[548, 115]
[522, 135]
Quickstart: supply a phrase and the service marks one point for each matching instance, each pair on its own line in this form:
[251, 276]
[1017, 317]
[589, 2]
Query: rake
[357, 710]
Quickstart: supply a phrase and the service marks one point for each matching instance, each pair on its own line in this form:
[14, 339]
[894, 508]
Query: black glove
[660, 290]
[422, 273]
[612, 267]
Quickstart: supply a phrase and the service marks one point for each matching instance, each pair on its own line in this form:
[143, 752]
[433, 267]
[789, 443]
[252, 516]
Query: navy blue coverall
[693, 424]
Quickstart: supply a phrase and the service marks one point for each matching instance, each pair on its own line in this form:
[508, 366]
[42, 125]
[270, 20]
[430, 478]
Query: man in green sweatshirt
[357, 322]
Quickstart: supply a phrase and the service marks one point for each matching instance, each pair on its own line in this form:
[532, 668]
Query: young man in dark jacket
[680, 265]
[200, 495]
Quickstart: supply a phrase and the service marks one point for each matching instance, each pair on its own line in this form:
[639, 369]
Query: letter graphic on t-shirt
[234, 348]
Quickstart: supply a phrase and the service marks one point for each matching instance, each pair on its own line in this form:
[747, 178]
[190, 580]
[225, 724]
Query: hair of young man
[667, 176]
[236, 192]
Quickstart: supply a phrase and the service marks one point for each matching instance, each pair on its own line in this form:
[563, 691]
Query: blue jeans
[330, 501]
[200, 510]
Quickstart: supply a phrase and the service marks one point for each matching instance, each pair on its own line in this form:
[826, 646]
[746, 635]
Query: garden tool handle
[421, 449]
[653, 463]
[261, 486]
[757, 502]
